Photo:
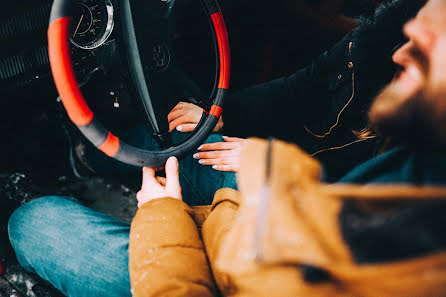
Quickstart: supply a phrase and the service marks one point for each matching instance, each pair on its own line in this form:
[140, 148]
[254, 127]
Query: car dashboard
[24, 61]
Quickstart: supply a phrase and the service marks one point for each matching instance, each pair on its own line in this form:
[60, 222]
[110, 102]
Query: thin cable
[339, 114]
[342, 146]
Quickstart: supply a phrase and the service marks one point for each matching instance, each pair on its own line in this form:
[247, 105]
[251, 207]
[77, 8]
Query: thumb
[186, 127]
[172, 177]
[148, 176]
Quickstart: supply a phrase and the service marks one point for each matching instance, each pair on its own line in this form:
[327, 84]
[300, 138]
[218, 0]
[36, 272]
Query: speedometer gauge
[92, 23]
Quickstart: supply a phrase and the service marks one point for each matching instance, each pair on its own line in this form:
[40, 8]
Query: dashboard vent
[23, 62]
[23, 26]
[35, 19]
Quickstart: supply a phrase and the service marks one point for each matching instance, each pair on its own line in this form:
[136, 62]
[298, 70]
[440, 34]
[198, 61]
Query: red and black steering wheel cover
[82, 116]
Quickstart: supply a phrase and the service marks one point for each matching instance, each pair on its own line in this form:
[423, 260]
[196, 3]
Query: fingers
[148, 178]
[178, 121]
[186, 127]
[228, 168]
[222, 164]
[214, 154]
[219, 161]
[174, 114]
[172, 177]
[222, 156]
[184, 113]
[182, 124]
[218, 146]
[140, 198]
[181, 109]
[139, 195]
[232, 139]
[161, 180]
[160, 187]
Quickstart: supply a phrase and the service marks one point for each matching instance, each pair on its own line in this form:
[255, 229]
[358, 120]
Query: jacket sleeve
[293, 236]
[357, 66]
[166, 254]
[267, 109]
[217, 225]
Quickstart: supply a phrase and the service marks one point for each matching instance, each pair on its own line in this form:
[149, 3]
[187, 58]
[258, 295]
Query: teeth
[414, 73]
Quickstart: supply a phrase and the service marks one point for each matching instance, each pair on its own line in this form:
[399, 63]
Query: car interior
[180, 62]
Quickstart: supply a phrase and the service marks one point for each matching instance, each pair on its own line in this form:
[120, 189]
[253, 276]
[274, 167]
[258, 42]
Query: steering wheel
[82, 116]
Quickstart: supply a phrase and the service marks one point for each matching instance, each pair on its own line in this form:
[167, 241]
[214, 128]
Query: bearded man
[379, 231]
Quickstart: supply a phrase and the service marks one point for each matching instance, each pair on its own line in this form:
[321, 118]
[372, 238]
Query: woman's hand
[160, 187]
[223, 156]
[185, 116]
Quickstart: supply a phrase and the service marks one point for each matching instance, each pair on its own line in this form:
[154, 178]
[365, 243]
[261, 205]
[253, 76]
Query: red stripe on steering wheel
[111, 145]
[223, 47]
[62, 68]
[216, 111]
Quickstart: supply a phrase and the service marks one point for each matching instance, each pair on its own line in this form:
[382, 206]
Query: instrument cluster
[92, 23]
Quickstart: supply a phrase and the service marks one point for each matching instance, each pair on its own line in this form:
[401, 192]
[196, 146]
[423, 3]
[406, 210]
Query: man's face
[416, 98]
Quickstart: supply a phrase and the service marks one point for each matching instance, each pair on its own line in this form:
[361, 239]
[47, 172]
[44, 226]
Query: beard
[415, 119]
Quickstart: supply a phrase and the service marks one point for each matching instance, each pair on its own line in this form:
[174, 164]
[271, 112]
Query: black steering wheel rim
[82, 116]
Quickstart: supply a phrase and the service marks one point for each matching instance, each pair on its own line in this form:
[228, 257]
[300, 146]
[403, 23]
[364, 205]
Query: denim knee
[31, 217]
[33, 214]
[80, 251]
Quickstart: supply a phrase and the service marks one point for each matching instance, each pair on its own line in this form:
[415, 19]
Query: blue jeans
[199, 183]
[83, 252]
[80, 251]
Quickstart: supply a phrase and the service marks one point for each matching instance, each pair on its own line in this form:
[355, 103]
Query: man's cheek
[436, 83]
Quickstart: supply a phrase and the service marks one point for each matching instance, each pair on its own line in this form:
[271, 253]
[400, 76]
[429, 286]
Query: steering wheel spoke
[147, 37]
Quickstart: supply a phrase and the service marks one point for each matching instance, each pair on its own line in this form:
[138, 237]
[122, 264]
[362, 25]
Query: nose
[417, 30]
[401, 56]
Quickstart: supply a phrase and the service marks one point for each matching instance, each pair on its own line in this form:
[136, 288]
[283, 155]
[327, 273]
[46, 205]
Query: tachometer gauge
[92, 23]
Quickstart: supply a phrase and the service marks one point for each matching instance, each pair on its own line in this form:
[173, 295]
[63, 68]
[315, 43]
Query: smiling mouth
[409, 77]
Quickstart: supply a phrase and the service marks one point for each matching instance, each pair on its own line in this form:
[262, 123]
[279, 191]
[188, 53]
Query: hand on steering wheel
[184, 117]
[150, 64]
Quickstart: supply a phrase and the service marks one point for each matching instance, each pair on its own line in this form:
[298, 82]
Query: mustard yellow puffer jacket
[281, 235]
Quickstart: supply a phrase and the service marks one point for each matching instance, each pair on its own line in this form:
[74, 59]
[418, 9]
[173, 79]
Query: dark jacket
[319, 107]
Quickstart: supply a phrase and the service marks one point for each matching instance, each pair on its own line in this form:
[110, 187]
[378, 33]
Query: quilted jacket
[378, 233]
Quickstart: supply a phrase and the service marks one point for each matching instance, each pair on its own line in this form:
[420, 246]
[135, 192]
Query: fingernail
[179, 128]
[224, 137]
[200, 161]
[214, 167]
[200, 147]
[195, 156]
